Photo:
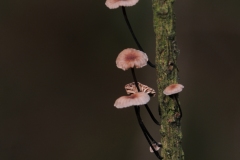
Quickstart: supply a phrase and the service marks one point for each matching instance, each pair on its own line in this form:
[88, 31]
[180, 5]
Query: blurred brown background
[58, 80]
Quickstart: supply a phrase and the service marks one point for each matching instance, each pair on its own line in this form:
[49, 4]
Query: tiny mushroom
[131, 88]
[113, 4]
[173, 90]
[156, 147]
[130, 58]
[135, 99]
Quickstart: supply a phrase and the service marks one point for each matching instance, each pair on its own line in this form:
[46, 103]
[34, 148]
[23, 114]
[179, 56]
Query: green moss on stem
[167, 73]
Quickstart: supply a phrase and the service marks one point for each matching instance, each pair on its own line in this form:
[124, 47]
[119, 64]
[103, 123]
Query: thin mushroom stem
[135, 79]
[159, 110]
[151, 115]
[133, 35]
[146, 106]
[179, 107]
[137, 109]
[144, 128]
[130, 28]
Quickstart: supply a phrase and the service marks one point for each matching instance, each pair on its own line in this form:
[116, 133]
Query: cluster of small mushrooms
[139, 94]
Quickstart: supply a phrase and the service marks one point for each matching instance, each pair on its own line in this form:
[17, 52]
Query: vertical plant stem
[167, 73]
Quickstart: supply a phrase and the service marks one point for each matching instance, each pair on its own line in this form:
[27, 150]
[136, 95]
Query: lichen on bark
[167, 73]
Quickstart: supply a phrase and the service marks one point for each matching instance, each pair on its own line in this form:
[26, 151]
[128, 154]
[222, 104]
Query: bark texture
[167, 73]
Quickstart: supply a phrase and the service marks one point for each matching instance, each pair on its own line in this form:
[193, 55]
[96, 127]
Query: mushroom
[156, 147]
[135, 99]
[130, 58]
[173, 90]
[131, 88]
[113, 4]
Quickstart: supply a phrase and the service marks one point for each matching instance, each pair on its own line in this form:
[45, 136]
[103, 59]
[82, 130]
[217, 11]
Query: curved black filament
[146, 106]
[133, 35]
[151, 115]
[144, 128]
[179, 107]
[146, 133]
[135, 79]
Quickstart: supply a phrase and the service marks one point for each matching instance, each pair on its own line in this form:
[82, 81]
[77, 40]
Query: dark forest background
[58, 80]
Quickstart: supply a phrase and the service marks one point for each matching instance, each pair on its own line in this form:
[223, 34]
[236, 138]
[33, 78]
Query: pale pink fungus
[130, 58]
[135, 99]
[155, 146]
[173, 89]
[113, 4]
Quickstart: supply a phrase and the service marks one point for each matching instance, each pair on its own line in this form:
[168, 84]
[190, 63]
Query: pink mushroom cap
[113, 4]
[155, 146]
[173, 89]
[130, 58]
[135, 99]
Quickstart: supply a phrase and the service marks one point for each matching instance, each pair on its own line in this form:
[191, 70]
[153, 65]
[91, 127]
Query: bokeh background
[58, 80]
